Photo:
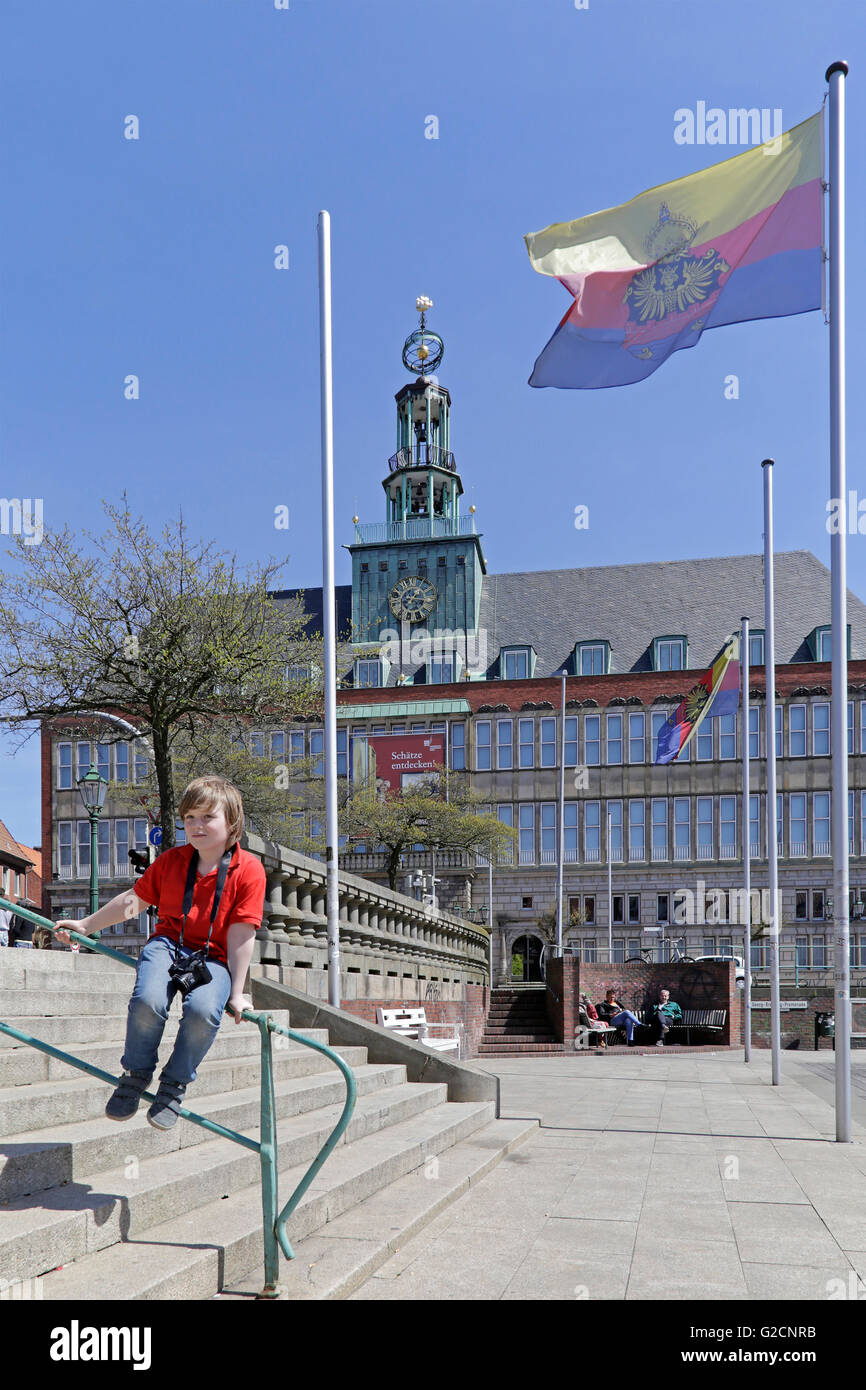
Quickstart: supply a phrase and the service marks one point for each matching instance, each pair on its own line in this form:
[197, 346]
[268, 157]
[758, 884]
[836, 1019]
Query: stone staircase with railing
[97, 1209]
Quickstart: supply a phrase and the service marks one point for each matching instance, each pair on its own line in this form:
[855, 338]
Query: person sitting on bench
[665, 1014]
[614, 1013]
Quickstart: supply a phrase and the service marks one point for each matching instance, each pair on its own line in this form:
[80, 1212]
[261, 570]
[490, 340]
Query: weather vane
[422, 350]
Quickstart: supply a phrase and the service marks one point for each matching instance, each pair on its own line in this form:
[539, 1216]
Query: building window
[257, 745]
[863, 726]
[299, 671]
[505, 813]
[824, 644]
[368, 673]
[548, 832]
[139, 764]
[636, 738]
[442, 670]
[728, 826]
[779, 820]
[103, 760]
[850, 726]
[728, 736]
[278, 746]
[482, 745]
[754, 825]
[778, 731]
[591, 659]
[64, 846]
[458, 747]
[614, 823]
[754, 732]
[660, 828]
[821, 823]
[657, 719]
[64, 764]
[296, 745]
[618, 907]
[570, 832]
[798, 823]
[592, 832]
[515, 663]
[571, 741]
[526, 832]
[704, 741]
[634, 907]
[589, 909]
[548, 743]
[83, 847]
[662, 908]
[756, 648]
[592, 740]
[797, 731]
[504, 743]
[526, 738]
[83, 751]
[317, 753]
[682, 843]
[818, 904]
[618, 957]
[669, 654]
[708, 946]
[821, 730]
[342, 752]
[614, 739]
[759, 955]
[801, 905]
[705, 827]
[636, 835]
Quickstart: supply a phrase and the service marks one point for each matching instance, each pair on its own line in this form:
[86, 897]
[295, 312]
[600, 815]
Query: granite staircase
[100, 1210]
[517, 1024]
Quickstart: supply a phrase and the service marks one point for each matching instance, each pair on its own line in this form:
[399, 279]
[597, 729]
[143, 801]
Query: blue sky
[156, 257]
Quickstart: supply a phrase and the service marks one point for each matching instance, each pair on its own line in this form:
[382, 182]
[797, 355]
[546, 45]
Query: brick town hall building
[632, 639]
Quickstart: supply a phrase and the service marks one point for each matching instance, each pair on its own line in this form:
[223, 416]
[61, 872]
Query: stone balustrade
[381, 933]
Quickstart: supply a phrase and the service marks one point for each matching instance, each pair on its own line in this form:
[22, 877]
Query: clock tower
[417, 575]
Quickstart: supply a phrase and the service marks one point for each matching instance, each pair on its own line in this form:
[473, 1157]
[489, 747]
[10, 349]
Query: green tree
[169, 634]
[442, 813]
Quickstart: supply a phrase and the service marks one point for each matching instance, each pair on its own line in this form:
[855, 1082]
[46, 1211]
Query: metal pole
[747, 865]
[328, 606]
[560, 854]
[772, 846]
[609, 897]
[94, 886]
[835, 75]
[490, 913]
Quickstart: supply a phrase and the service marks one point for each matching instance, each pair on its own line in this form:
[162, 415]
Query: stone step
[55, 1002]
[194, 1255]
[35, 1160]
[337, 1258]
[515, 1049]
[67, 1030]
[25, 977]
[82, 1097]
[40, 1233]
[63, 962]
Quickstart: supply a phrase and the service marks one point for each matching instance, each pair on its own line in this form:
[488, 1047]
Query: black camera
[187, 975]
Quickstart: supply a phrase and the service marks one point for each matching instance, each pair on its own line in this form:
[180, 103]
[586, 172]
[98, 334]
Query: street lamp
[93, 788]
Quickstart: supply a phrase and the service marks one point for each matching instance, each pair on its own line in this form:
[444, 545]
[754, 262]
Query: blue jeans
[626, 1020]
[148, 1011]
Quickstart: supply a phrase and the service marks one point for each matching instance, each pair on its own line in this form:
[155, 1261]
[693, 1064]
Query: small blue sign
[155, 835]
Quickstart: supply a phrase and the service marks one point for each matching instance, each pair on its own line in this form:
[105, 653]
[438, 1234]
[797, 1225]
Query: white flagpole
[835, 76]
[747, 867]
[772, 846]
[328, 610]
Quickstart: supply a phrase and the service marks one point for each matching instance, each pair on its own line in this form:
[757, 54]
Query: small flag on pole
[740, 240]
[716, 693]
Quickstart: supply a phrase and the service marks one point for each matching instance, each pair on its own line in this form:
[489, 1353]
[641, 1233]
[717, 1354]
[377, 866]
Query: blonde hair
[215, 793]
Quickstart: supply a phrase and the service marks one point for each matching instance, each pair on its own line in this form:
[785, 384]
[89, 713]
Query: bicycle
[646, 956]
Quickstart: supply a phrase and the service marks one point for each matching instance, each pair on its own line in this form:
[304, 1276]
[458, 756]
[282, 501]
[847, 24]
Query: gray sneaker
[165, 1109]
[123, 1104]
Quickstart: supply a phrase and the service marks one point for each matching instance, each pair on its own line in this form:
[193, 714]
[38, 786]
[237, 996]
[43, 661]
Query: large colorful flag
[740, 240]
[716, 693]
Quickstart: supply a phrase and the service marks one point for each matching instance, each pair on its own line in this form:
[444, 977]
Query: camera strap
[189, 889]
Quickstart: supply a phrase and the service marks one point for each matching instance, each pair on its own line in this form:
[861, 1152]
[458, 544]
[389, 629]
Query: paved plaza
[656, 1177]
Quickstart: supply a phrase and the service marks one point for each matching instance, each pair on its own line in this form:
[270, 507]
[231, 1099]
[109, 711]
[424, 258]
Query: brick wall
[707, 985]
[797, 1026]
[561, 997]
[471, 1012]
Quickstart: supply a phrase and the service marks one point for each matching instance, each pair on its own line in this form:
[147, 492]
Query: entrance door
[525, 959]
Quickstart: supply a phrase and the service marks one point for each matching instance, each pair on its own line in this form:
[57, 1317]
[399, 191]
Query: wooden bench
[412, 1023]
[703, 1020]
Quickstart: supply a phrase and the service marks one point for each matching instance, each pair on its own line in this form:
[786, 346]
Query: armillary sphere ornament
[422, 350]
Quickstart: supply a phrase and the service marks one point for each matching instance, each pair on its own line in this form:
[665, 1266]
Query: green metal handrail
[273, 1219]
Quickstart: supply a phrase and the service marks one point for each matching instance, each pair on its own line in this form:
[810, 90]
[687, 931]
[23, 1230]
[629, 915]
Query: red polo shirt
[243, 898]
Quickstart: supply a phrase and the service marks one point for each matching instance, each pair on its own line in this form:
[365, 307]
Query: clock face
[412, 598]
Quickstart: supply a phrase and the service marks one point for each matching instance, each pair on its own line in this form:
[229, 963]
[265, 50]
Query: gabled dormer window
[820, 642]
[516, 663]
[670, 653]
[592, 658]
[756, 647]
[368, 673]
[444, 668]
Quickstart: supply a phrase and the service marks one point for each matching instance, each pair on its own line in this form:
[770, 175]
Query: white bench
[412, 1023]
[586, 1027]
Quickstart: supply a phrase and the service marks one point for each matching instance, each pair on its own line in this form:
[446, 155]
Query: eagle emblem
[677, 281]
